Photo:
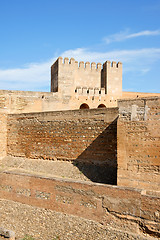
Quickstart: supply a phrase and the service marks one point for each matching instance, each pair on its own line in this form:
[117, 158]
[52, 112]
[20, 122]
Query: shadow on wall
[99, 160]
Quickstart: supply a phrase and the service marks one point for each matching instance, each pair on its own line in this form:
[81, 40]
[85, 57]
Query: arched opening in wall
[84, 106]
[101, 106]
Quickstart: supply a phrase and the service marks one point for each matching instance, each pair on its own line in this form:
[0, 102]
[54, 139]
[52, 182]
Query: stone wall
[32, 202]
[3, 134]
[138, 143]
[27, 101]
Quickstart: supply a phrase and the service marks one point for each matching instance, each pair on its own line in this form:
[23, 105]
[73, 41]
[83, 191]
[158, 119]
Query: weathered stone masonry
[124, 141]
[138, 141]
[93, 136]
[118, 145]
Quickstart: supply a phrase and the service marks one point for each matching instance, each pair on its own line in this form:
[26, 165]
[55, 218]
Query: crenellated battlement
[112, 64]
[84, 91]
[80, 65]
[88, 65]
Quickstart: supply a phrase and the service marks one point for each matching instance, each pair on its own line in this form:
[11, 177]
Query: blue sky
[33, 33]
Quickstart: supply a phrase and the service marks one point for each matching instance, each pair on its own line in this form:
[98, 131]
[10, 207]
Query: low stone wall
[132, 213]
[138, 143]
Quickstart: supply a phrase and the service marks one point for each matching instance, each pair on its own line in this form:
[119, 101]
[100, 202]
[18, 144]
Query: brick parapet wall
[124, 209]
[138, 143]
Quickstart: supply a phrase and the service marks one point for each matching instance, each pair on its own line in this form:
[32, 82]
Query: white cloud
[144, 33]
[123, 35]
[138, 61]
[36, 76]
[33, 76]
[145, 56]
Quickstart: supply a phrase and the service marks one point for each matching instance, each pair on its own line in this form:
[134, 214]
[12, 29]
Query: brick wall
[3, 134]
[138, 142]
[118, 209]
[86, 136]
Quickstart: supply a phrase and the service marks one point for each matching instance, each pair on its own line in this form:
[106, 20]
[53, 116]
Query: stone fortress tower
[92, 84]
[73, 86]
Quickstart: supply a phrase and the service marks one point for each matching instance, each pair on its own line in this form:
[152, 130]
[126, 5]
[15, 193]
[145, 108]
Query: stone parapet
[90, 91]
[127, 210]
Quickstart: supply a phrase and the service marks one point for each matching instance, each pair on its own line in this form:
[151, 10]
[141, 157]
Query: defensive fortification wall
[35, 205]
[92, 137]
[27, 101]
[138, 141]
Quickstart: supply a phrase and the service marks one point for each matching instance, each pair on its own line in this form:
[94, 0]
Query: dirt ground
[60, 169]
